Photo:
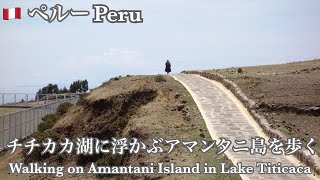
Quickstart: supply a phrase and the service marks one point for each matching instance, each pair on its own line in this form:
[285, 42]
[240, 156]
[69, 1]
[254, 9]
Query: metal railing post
[31, 120]
[9, 128]
[2, 132]
[15, 124]
[37, 118]
[30, 116]
[38, 100]
[25, 123]
[34, 120]
[20, 124]
[40, 113]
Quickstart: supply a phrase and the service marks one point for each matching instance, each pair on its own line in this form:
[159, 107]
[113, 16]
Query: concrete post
[25, 123]
[21, 125]
[38, 100]
[2, 132]
[9, 128]
[15, 125]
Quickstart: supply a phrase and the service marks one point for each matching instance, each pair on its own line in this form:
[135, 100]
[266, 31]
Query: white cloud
[118, 56]
[111, 57]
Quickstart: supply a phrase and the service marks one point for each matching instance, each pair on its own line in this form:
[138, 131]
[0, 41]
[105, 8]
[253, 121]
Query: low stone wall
[304, 156]
[310, 111]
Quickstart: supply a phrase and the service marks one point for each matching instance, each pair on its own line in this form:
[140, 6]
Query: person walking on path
[168, 67]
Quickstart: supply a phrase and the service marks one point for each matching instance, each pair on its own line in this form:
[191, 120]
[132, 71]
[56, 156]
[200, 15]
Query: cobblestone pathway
[226, 117]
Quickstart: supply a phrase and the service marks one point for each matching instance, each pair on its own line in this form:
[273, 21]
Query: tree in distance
[79, 86]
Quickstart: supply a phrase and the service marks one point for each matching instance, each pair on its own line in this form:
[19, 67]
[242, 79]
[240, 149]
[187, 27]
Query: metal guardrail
[30, 100]
[23, 123]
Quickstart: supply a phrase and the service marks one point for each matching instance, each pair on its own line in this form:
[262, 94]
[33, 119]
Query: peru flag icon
[12, 13]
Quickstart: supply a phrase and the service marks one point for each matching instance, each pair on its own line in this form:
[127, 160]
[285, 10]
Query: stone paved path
[226, 117]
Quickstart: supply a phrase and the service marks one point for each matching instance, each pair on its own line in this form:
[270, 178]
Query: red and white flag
[12, 13]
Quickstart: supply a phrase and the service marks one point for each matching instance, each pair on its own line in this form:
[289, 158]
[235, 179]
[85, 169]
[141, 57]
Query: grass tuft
[160, 78]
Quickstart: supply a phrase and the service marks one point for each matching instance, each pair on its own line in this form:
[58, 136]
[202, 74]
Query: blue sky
[204, 35]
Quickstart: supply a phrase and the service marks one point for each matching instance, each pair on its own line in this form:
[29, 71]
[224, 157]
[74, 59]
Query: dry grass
[4, 111]
[155, 119]
[120, 86]
[21, 106]
[274, 69]
[294, 84]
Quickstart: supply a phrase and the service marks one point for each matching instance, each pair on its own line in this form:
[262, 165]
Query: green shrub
[121, 121]
[82, 99]
[36, 156]
[83, 160]
[160, 78]
[109, 160]
[63, 108]
[48, 122]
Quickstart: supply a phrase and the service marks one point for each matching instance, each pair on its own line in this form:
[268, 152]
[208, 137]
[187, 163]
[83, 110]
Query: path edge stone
[304, 156]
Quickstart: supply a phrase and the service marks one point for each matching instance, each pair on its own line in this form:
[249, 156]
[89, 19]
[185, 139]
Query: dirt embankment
[143, 107]
[103, 119]
[106, 118]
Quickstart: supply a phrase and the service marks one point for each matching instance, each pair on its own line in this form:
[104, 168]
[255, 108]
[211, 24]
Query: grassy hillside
[145, 107]
[288, 95]
[295, 83]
